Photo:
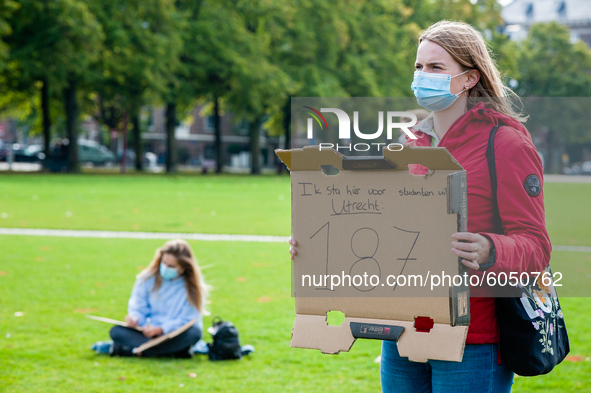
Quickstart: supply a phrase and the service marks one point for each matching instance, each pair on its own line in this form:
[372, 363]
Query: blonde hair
[468, 48]
[194, 283]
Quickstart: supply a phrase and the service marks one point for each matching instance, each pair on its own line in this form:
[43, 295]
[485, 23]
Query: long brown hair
[468, 48]
[194, 283]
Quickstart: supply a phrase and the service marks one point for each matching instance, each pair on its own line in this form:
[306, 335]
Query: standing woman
[169, 293]
[457, 80]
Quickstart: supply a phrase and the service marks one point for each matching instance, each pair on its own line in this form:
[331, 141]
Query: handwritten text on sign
[382, 236]
[355, 200]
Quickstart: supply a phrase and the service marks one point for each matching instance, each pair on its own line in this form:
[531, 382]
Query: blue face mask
[168, 273]
[433, 90]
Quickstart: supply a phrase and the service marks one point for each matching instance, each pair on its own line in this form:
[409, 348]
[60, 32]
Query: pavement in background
[186, 236]
[142, 235]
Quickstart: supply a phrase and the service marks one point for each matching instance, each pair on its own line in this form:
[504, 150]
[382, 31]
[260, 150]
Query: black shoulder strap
[492, 170]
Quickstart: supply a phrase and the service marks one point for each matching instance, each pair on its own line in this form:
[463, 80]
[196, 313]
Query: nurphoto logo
[344, 130]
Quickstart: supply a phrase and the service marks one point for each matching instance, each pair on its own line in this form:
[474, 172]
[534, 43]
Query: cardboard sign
[165, 337]
[113, 321]
[154, 341]
[373, 240]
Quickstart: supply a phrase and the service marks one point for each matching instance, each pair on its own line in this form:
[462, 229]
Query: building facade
[519, 15]
[195, 138]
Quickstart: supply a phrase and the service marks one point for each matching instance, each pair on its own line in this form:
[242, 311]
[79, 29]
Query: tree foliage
[110, 58]
[7, 7]
[55, 43]
[551, 66]
[556, 76]
[141, 46]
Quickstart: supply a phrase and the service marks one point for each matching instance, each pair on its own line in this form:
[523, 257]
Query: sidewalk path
[186, 236]
[142, 235]
[566, 179]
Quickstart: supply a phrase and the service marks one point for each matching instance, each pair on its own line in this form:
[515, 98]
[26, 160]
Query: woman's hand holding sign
[472, 247]
[292, 249]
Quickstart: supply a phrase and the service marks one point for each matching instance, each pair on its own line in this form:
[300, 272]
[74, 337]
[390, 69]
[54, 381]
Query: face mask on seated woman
[168, 273]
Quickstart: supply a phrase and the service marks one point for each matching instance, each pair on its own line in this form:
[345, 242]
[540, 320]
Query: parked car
[586, 168]
[33, 153]
[579, 168]
[95, 153]
[88, 152]
[22, 154]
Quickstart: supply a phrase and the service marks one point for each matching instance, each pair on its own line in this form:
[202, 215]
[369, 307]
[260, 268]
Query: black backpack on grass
[226, 345]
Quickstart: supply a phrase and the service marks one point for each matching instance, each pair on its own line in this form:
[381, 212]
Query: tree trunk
[255, 148]
[46, 118]
[137, 141]
[287, 123]
[218, 136]
[71, 108]
[124, 132]
[114, 142]
[170, 140]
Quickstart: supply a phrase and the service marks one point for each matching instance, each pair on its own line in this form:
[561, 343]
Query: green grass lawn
[154, 203]
[568, 213]
[208, 204]
[55, 281]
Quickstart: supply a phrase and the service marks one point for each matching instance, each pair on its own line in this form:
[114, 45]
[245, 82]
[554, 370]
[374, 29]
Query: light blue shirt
[168, 307]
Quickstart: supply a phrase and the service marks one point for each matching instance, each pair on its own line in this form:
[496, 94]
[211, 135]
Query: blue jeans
[478, 372]
[128, 339]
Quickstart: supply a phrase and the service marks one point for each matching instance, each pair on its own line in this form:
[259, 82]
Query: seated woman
[168, 294]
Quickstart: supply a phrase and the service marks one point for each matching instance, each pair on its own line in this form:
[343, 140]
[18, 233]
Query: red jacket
[525, 246]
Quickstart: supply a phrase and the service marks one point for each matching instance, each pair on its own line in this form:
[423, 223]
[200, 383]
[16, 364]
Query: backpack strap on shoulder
[492, 170]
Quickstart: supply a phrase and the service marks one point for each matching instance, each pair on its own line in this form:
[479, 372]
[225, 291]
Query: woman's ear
[472, 79]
